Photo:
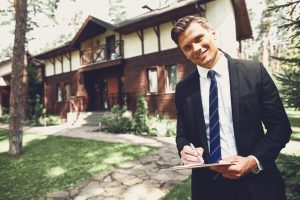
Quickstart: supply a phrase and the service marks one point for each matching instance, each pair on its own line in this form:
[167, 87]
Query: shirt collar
[219, 68]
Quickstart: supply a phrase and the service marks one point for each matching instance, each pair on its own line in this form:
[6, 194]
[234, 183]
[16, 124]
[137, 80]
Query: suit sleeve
[275, 120]
[181, 131]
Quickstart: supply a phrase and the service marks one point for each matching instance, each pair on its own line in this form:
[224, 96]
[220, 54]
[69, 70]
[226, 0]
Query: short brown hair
[182, 24]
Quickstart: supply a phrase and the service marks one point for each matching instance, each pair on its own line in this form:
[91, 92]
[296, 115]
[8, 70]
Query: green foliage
[289, 168]
[4, 119]
[117, 11]
[289, 77]
[141, 116]
[116, 123]
[52, 163]
[161, 125]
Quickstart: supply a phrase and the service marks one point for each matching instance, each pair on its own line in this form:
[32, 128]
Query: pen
[198, 156]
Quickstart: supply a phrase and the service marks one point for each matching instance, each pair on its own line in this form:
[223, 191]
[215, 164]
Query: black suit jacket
[255, 102]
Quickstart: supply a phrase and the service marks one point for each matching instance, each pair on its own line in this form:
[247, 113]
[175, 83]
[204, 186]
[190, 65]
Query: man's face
[199, 46]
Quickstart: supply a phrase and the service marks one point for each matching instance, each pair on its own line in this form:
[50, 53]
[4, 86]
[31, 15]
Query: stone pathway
[136, 180]
[141, 179]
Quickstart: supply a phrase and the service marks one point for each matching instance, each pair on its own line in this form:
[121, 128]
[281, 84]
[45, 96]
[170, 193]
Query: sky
[48, 30]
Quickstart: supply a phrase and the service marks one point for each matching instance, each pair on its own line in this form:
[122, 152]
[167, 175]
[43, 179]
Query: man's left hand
[241, 166]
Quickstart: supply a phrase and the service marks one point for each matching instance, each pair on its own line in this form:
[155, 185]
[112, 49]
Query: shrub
[141, 116]
[116, 123]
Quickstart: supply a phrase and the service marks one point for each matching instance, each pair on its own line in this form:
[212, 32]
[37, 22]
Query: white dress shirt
[228, 145]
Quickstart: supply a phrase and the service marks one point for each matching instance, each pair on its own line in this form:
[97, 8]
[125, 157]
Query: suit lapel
[235, 97]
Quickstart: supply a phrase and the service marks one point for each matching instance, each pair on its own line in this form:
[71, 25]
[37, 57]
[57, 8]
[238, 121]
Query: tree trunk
[17, 86]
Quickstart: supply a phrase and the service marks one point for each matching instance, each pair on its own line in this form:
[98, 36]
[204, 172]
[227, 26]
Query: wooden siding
[50, 96]
[135, 73]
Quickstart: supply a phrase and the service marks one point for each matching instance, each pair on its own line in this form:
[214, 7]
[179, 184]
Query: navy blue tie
[214, 126]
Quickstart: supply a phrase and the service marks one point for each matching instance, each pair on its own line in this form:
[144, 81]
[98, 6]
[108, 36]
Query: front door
[111, 93]
[110, 47]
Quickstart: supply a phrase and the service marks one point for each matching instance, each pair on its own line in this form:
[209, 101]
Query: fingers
[190, 155]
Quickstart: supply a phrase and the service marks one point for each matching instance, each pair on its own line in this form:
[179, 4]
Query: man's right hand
[189, 155]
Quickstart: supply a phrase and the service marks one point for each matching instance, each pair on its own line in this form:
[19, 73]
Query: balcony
[105, 52]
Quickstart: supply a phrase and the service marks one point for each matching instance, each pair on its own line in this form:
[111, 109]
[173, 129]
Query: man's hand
[189, 155]
[242, 166]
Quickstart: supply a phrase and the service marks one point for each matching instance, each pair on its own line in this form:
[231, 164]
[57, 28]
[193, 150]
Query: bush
[141, 116]
[162, 125]
[116, 123]
[4, 119]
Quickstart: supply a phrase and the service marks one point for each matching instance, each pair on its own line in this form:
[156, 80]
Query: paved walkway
[141, 179]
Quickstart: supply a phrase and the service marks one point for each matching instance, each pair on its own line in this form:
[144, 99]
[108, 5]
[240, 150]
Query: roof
[162, 15]
[90, 28]
[93, 26]
[65, 48]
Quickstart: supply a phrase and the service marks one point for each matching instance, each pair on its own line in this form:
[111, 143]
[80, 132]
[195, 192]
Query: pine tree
[289, 77]
[117, 11]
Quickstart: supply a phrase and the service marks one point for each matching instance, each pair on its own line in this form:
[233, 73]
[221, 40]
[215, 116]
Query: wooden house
[105, 64]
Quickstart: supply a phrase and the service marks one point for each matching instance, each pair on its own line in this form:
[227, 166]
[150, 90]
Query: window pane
[171, 77]
[68, 91]
[152, 77]
[59, 93]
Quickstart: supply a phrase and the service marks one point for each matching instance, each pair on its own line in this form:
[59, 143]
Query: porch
[102, 52]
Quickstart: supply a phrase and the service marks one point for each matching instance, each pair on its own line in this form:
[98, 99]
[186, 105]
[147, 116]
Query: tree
[19, 81]
[289, 77]
[17, 86]
[117, 11]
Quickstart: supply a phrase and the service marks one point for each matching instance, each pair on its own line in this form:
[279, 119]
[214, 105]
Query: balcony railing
[109, 51]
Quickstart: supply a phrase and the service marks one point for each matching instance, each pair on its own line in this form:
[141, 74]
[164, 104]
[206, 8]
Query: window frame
[59, 93]
[167, 78]
[148, 80]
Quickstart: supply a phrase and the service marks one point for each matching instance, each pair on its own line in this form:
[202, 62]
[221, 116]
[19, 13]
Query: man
[229, 101]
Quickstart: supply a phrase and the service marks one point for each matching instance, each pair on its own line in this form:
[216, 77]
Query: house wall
[5, 68]
[224, 25]
[161, 102]
[50, 89]
[62, 67]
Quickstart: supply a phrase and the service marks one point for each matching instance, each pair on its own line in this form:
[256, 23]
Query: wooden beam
[52, 61]
[60, 59]
[141, 36]
[157, 32]
[69, 57]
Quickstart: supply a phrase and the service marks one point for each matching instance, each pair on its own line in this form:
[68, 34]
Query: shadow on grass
[287, 164]
[4, 134]
[54, 163]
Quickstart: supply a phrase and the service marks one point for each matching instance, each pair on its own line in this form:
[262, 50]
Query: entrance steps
[86, 118]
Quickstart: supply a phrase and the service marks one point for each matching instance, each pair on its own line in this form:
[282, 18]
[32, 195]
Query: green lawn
[51, 163]
[294, 117]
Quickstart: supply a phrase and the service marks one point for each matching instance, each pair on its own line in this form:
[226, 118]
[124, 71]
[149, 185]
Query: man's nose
[197, 47]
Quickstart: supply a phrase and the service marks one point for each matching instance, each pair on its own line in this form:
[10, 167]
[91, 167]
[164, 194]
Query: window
[171, 78]
[68, 91]
[152, 80]
[58, 93]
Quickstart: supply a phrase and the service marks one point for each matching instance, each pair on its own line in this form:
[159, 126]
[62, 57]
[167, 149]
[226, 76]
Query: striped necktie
[214, 126]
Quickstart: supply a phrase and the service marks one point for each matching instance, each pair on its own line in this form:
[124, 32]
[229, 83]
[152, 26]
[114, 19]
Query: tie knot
[211, 74]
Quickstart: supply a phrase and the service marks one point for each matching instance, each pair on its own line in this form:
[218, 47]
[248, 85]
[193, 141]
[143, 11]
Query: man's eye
[197, 39]
[187, 48]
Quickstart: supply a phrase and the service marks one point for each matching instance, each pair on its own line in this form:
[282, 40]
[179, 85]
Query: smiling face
[199, 45]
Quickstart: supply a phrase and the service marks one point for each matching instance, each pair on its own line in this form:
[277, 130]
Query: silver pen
[198, 156]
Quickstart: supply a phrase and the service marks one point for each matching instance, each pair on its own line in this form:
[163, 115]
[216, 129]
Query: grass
[287, 164]
[51, 163]
[294, 117]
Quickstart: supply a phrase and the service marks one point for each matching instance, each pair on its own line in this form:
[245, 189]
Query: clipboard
[192, 166]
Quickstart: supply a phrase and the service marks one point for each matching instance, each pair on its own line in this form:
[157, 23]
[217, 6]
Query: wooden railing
[78, 103]
[109, 51]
